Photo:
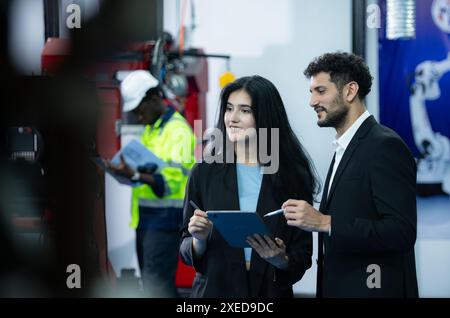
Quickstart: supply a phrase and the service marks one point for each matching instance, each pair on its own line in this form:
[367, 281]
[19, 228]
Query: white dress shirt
[342, 143]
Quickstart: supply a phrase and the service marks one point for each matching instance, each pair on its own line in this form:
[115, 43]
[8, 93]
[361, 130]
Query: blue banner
[415, 92]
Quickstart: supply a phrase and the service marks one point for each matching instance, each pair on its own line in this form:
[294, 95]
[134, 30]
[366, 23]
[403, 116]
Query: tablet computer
[236, 226]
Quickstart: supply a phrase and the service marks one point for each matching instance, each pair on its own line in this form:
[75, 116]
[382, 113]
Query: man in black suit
[367, 216]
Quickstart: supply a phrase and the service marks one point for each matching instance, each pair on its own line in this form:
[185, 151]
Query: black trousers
[157, 252]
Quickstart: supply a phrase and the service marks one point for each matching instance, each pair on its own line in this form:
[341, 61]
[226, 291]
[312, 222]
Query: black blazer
[372, 203]
[221, 271]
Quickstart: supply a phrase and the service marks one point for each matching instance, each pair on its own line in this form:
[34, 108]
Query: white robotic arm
[434, 147]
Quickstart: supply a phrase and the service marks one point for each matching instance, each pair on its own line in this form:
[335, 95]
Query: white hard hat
[134, 87]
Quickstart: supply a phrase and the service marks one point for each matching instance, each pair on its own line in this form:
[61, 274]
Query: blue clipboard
[236, 226]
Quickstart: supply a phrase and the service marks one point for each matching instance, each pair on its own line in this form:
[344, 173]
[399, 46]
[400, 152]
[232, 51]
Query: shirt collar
[343, 141]
[164, 117]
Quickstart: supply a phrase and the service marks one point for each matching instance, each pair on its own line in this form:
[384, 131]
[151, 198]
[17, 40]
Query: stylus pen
[195, 206]
[274, 212]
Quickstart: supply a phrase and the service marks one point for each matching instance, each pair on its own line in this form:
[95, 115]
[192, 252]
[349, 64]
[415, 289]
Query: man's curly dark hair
[343, 68]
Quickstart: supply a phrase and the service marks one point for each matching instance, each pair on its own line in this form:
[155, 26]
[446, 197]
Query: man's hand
[301, 214]
[122, 169]
[267, 249]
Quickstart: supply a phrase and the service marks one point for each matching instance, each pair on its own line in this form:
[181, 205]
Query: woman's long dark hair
[296, 177]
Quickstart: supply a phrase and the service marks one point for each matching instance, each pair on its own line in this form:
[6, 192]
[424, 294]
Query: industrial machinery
[184, 81]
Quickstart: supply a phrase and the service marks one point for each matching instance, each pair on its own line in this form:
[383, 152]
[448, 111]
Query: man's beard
[336, 118]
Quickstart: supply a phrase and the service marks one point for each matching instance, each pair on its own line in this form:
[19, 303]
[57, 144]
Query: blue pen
[274, 212]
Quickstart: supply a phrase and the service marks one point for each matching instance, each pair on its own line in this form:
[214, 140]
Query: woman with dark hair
[241, 178]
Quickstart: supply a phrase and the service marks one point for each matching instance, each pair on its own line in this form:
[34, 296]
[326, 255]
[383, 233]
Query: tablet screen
[236, 226]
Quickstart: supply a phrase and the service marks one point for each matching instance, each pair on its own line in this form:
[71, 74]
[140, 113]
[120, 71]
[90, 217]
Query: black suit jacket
[372, 203]
[221, 271]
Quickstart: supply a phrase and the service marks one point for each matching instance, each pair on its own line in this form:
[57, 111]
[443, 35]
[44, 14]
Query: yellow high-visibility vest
[172, 141]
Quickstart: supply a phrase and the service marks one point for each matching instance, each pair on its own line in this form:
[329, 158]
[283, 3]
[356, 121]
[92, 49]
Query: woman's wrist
[281, 262]
[199, 247]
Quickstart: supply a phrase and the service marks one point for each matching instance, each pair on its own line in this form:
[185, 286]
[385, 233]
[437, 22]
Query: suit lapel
[258, 266]
[354, 143]
[327, 184]
[320, 235]
[235, 256]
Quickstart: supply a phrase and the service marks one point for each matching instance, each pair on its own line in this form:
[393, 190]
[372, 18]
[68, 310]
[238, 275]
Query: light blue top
[249, 179]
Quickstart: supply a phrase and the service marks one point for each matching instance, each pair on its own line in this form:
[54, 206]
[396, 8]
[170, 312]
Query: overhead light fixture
[401, 19]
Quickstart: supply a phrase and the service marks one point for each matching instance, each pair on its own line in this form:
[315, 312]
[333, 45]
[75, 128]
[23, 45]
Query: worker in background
[157, 204]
